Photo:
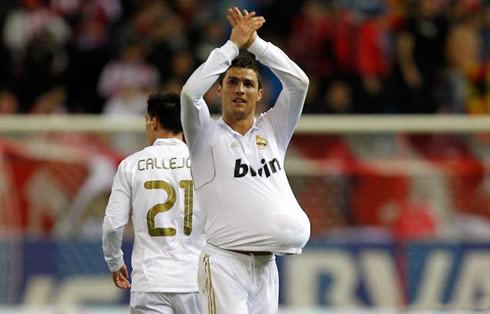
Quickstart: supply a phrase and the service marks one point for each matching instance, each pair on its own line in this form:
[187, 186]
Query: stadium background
[399, 203]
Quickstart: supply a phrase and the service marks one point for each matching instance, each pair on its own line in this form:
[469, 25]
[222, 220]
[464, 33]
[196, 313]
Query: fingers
[249, 21]
[232, 18]
[244, 24]
[124, 278]
[237, 13]
[248, 15]
[255, 23]
[120, 278]
[259, 20]
[124, 273]
[122, 282]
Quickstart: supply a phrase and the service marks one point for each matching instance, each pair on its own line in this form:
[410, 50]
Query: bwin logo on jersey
[267, 169]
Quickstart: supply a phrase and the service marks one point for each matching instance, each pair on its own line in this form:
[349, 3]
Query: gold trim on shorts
[210, 290]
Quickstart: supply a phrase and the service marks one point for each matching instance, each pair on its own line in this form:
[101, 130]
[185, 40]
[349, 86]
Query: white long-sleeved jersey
[240, 180]
[154, 185]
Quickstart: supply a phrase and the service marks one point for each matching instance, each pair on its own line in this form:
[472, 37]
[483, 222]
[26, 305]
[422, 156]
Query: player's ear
[218, 90]
[260, 93]
[154, 123]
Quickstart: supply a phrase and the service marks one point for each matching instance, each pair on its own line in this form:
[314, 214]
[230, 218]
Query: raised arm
[288, 107]
[195, 113]
[285, 114]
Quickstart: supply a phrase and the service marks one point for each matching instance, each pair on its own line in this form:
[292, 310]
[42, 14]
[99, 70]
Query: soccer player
[238, 170]
[154, 186]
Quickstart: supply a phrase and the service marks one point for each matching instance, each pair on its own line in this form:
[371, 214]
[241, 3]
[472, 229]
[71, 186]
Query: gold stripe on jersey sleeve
[211, 295]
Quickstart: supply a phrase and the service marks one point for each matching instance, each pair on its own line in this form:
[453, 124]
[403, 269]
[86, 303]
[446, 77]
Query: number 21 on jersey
[187, 186]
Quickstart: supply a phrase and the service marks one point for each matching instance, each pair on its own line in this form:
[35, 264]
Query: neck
[240, 126]
[167, 134]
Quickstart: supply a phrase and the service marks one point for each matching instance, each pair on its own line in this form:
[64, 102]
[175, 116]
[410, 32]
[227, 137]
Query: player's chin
[240, 112]
[239, 109]
[238, 104]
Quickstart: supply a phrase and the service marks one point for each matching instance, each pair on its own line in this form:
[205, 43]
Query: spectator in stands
[338, 98]
[89, 48]
[35, 38]
[164, 34]
[485, 34]
[51, 102]
[421, 57]
[310, 41]
[333, 41]
[345, 45]
[468, 72]
[125, 81]
[183, 64]
[213, 34]
[375, 61]
[8, 102]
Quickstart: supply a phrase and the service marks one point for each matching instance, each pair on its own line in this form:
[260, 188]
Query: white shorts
[164, 303]
[237, 283]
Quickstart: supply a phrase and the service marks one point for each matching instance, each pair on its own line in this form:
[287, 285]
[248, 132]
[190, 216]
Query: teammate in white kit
[155, 188]
[238, 170]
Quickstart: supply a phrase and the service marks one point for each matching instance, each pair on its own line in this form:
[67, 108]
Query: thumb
[124, 272]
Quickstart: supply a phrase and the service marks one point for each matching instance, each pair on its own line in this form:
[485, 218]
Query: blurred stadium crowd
[362, 56]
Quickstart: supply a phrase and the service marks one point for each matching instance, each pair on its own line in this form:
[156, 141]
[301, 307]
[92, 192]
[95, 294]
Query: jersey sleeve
[196, 121]
[115, 219]
[195, 112]
[285, 114]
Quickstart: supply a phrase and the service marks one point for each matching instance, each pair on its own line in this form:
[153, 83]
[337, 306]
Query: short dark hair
[244, 60]
[166, 108]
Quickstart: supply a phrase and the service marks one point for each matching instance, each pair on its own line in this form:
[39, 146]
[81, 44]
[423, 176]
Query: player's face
[239, 93]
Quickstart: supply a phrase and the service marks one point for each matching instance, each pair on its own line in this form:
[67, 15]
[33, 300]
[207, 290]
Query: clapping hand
[245, 26]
